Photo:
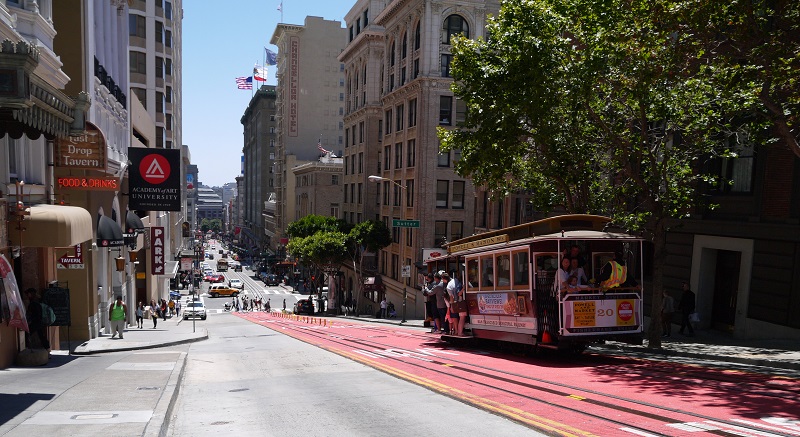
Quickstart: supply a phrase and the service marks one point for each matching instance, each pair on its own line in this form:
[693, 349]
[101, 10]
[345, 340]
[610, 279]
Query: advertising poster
[601, 315]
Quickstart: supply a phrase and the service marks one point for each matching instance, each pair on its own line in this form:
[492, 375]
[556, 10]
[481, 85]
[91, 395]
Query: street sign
[405, 223]
[406, 272]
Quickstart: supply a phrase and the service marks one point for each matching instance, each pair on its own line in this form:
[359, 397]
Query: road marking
[638, 432]
[88, 417]
[580, 398]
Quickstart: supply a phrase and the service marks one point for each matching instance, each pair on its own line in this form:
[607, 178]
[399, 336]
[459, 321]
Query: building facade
[260, 138]
[318, 187]
[310, 103]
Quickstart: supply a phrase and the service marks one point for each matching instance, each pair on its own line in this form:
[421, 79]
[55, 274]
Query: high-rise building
[307, 121]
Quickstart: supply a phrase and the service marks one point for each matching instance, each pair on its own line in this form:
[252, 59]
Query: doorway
[726, 288]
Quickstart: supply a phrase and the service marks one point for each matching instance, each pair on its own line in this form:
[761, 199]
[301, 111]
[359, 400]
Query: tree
[368, 236]
[592, 107]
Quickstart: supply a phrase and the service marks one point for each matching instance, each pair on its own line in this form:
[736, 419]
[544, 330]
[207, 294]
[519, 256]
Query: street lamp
[404, 274]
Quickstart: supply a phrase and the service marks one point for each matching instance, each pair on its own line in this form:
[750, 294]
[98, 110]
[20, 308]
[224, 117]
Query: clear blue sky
[219, 45]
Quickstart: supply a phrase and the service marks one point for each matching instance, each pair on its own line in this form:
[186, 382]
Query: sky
[219, 45]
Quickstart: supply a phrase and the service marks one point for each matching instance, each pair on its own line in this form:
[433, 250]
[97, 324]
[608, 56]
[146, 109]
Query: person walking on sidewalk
[140, 315]
[383, 308]
[667, 308]
[36, 324]
[687, 306]
[154, 313]
[117, 315]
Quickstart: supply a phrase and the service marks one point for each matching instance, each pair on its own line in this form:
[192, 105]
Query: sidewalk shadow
[13, 405]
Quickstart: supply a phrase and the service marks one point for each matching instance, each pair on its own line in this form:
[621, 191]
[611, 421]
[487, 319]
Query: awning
[171, 268]
[133, 223]
[108, 233]
[53, 226]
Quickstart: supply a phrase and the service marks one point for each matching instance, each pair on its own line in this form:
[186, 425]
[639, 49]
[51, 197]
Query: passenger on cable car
[572, 285]
[577, 271]
[562, 275]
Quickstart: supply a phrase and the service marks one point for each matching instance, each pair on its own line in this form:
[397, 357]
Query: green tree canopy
[594, 107]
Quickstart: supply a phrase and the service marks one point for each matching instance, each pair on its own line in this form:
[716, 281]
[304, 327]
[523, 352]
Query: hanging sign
[71, 261]
[154, 179]
[157, 261]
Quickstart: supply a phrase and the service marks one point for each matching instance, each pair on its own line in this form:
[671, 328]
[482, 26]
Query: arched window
[454, 25]
[391, 55]
[404, 49]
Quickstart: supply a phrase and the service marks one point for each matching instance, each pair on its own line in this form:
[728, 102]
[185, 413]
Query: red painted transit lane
[564, 395]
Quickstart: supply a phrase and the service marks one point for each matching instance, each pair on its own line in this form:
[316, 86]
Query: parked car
[217, 290]
[195, 309]
[305, 306]
[236, 283]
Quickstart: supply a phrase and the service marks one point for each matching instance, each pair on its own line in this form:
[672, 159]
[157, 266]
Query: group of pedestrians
[250, 304]
[444, 296]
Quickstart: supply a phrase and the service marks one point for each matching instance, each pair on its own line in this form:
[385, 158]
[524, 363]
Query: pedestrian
[268, 309]
[171, 306]
[140, 315]
[164, 309]
[667, 308]
[117, 315]
[687, 306]
[383, 308]
[154, 313]
[284, 305]
[178, 308]
[35, 318]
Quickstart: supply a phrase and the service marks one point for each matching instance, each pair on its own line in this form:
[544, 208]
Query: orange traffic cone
[546, 337]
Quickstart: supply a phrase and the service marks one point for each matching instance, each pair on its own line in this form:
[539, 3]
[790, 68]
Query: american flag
[244, 83]
[321, 149]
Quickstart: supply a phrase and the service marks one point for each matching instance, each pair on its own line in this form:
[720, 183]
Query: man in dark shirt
[687, 306]
[35, 319]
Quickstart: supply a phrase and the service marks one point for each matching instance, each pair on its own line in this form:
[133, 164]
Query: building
[209, 205]
[307, 60]
[318, 187]
[260, 138]
[397, 80]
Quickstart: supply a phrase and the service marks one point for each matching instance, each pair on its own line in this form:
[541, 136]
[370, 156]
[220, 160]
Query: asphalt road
[249, 380]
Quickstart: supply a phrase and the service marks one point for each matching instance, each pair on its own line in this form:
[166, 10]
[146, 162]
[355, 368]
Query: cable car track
[460, 369]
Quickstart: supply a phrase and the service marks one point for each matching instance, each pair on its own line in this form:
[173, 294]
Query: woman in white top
[576, 270]
[562, 275]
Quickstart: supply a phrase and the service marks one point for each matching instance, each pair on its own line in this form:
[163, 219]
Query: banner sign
[588, 314]
[154, 179]
[108, 183]
[157, 260]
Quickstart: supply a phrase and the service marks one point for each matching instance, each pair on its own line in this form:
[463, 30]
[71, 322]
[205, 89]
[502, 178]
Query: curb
[158, 425]
[139, 347]
[788, 365]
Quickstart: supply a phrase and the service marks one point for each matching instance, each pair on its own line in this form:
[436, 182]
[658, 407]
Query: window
[351, 33]
[445, 110]
[168, 94]
[335, 179]
[159, 67]
[412, 112]
[168, 121]
[443, 159]
[358, 26]
[415, 73]
[398, 194]
[168, 67]
[168, 10]
[272, 129]
[346, 160]
[445, 65]
[439, 233]
[461, 112]
[456, 231]
[404, 47]
[347, 137]
[137, 26]
[272, 143]
[399, 113]
[387, 156]
[335, 210]
[386, 193]
[138, 62]
[519, 260]
[366, 17]
[159, 102]
[159, 32]
[388, 120]
[160, 137]
[411, 153]
[442, 193]
[361, 162]
[361, 132]
[398, 155]
[736, 174]
[168, 38]
[345, 193]
[13, 154]
[391, 55]
[503, 270]
[410, 192]
[360, 189]
[141, 94]
[417, 37]
[454, 25]
[458, 194]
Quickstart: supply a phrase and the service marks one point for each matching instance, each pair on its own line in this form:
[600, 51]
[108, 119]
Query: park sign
[396, 223]
[154, 179]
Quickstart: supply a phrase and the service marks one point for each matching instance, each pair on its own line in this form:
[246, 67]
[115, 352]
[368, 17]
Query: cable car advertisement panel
[603, 314]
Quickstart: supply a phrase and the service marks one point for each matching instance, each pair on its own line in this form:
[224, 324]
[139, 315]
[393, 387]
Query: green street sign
[405, 223]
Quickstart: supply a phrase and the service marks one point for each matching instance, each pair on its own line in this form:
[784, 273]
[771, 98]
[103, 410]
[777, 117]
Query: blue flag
[272, 57]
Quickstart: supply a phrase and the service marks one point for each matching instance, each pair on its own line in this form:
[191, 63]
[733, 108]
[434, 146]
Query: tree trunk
[659, 256]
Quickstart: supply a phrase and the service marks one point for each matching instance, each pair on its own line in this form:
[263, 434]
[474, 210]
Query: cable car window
[472, 272]
[487, 272]
[503, 269]
[520, 264]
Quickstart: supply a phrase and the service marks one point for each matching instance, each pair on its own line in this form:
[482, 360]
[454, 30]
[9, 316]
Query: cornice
[390, 11]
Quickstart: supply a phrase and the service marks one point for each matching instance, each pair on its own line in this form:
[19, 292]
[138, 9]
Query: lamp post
[405, 270]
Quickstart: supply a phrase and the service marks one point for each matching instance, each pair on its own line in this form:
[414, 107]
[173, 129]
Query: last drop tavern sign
[154, 179]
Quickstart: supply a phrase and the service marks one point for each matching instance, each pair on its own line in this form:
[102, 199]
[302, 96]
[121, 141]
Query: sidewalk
[168, 332]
